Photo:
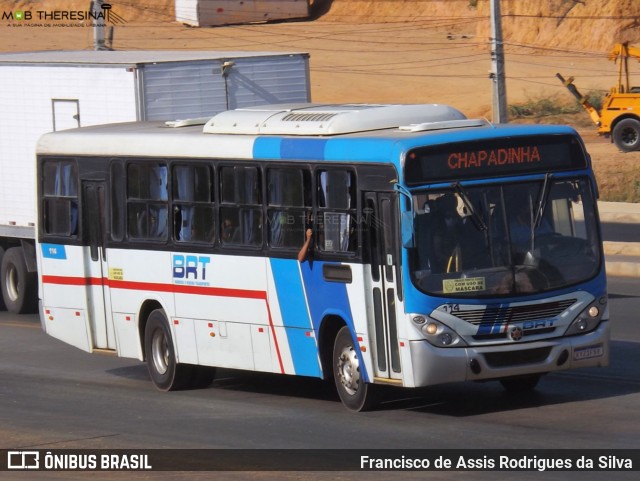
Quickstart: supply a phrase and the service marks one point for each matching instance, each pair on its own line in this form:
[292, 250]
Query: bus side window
[193, 207]
[60, 198]
[289, 201]
[147, 201]
[336, 206]
[241, 206]
[118, 200]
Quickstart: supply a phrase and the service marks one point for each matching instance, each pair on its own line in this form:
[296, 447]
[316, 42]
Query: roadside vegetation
[555, 108]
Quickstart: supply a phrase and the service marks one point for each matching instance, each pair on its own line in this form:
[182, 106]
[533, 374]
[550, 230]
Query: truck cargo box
[210, 13]
[49, 91]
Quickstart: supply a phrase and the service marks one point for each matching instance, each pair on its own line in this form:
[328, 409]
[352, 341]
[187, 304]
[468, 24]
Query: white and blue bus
[442, 249]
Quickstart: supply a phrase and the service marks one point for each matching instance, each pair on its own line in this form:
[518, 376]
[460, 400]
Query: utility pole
[500, 112]
[98, 26]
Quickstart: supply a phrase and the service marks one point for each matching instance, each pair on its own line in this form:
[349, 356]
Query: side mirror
[407, 232]
[406, 219]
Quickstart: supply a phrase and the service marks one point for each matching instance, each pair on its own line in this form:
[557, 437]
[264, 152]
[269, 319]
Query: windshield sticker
[470, 284]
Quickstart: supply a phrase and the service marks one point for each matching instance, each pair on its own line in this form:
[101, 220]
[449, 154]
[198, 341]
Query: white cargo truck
[211, 13]
[48, 91]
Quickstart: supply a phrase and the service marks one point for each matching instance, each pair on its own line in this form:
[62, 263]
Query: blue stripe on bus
[328, 298]
[289, 148]
[352, 150]
[373, 150]
[266, 148]
[303, 149]
[295, 317]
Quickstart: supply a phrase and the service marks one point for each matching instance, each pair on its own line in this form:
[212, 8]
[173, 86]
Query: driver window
[337, 210]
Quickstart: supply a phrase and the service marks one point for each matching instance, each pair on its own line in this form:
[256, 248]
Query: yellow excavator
[619, 117]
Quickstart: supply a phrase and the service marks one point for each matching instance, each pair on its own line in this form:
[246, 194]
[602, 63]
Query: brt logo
[18, 15]
[190, 268]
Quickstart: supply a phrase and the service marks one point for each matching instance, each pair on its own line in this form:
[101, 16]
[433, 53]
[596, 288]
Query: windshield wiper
[475, 217]
[542, 202]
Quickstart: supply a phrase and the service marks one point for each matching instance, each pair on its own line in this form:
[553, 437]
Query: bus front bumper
[433, 365]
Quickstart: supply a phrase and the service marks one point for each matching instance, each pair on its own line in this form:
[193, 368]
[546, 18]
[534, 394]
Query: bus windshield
[505, 239]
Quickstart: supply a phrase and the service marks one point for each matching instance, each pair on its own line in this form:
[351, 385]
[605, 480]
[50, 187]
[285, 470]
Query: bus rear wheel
[166, 374]
[626, 135]
[354, 392]
[18, 284]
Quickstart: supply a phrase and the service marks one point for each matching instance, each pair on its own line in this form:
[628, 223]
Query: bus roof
[354, 133]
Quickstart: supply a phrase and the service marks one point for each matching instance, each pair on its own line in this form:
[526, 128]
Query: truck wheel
[19, 286]
[355, 394]
[626, 135]
[166, 374]
[2, 306]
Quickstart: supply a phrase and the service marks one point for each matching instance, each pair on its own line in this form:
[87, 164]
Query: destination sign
[493, 158]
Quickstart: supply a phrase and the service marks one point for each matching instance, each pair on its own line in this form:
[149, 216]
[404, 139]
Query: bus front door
[380, 215]
[98, 297]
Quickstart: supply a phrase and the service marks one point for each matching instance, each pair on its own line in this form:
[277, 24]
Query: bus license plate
[588, 352]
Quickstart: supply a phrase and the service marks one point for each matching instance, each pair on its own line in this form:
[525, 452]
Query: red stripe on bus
[275, 339]
[154, 286]
[175, 288]
[72, 281]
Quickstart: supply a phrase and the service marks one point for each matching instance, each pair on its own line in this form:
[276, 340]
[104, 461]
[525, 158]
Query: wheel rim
[11, 283]
[629, 136]
[349, 370]
[160, 351]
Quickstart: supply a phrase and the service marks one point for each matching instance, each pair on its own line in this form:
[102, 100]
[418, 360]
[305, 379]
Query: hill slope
[580, 24]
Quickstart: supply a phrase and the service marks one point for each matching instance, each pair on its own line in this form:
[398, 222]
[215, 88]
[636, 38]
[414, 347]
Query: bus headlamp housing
[437, 333]
[587, 320]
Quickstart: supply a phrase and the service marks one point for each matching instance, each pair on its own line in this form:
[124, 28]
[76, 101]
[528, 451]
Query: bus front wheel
[354, 392]
[19, 286]
[2, 306]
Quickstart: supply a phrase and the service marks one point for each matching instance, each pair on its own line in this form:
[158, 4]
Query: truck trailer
[58, 90]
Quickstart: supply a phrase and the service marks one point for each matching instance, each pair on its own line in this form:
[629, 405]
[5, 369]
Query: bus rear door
[98, 297]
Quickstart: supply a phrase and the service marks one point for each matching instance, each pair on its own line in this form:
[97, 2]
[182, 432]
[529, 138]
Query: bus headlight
[439, 334]
[587, 321]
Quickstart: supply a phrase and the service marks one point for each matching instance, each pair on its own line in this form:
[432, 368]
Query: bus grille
[533, 312]
[517, 358]
[503, 335]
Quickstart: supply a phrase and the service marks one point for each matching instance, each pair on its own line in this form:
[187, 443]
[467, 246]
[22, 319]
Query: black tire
[19, 286]
[520, 384]
[2, 306]
[166, 374]
[626, 135]
[354, 393]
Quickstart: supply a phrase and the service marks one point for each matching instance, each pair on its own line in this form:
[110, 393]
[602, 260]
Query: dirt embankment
[593, 25]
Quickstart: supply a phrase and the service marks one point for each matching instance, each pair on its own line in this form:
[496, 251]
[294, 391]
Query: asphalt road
[53, 396]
